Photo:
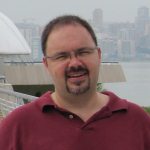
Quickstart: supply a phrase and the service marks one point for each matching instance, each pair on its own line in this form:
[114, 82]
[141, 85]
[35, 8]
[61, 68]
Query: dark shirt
[41, 125]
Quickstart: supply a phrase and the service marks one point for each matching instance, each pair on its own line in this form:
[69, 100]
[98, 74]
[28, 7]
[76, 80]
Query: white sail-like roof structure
[11, 40]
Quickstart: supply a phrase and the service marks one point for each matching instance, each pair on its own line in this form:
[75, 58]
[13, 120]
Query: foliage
[147, 109]
[99, 87]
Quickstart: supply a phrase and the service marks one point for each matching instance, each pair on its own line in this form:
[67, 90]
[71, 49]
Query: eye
[60, 57]
[84, 52]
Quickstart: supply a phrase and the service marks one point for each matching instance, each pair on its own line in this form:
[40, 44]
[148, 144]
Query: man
[75, 116]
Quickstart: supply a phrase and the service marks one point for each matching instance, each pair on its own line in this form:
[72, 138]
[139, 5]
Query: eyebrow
[60, 53]
[57, 53]
[65, 52]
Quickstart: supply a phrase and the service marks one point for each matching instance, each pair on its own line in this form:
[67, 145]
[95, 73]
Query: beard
[79, 86]
[78, 89]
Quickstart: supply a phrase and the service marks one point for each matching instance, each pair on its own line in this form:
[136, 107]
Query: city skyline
[118, 40]
[41, 12]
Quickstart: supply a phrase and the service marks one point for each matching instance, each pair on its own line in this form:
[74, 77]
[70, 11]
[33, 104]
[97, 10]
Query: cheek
[94, 67]
[94, 62]
[58, 70]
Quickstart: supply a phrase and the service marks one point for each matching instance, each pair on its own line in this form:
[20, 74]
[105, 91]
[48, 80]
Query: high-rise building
[143, 13]
[126, 34]
[98, 19]
[142, 20]
[147, 29]
[126, 49]
[31, 33]
[36, 49]
[142, 30]
[126, 43]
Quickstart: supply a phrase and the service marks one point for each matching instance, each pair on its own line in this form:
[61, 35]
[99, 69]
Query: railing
[10, 100]
[2, 79]
[7, 106]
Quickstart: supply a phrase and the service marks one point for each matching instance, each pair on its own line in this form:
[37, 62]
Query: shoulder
[133, 111]
[138, 112]
[26, 111]
[19, 114]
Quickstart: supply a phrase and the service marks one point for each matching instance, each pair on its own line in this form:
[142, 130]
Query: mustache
[76, 69]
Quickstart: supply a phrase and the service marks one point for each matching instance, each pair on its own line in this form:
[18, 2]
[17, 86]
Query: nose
[74, 62]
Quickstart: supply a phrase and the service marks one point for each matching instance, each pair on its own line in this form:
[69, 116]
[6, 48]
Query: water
[137, 87]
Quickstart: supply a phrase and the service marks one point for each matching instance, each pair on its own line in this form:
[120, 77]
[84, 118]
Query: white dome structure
[11, 40]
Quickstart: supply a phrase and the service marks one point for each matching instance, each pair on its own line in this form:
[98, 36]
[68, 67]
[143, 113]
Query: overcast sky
[41, 11]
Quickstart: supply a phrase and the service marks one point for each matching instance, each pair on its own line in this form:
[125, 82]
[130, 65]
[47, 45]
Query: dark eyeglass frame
[80, 52]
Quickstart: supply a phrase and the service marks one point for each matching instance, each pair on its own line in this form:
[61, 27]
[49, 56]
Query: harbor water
[137, 86]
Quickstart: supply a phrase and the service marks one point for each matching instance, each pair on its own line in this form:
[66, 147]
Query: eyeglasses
[78, 53]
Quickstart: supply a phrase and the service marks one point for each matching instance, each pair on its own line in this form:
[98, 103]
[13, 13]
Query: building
[142, 20]
[126, 49]
[36, 49]
[98, 19]
[13, 46]
[32, 34]
[126, 43]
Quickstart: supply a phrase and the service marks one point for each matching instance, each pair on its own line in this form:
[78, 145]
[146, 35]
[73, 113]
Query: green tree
[147, 109]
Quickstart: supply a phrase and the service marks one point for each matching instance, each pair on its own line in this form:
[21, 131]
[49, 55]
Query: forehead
[68, 29]
[72, 34]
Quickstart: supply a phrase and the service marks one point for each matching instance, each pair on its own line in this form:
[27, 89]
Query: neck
[84, 105]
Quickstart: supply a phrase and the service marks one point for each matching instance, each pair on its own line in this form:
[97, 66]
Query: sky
[41, 11]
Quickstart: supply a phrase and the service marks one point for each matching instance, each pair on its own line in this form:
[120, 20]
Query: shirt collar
[45, 102]
[115, 103]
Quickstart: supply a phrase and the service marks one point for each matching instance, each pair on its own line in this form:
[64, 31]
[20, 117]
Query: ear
[99, 53]
[45, 62]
